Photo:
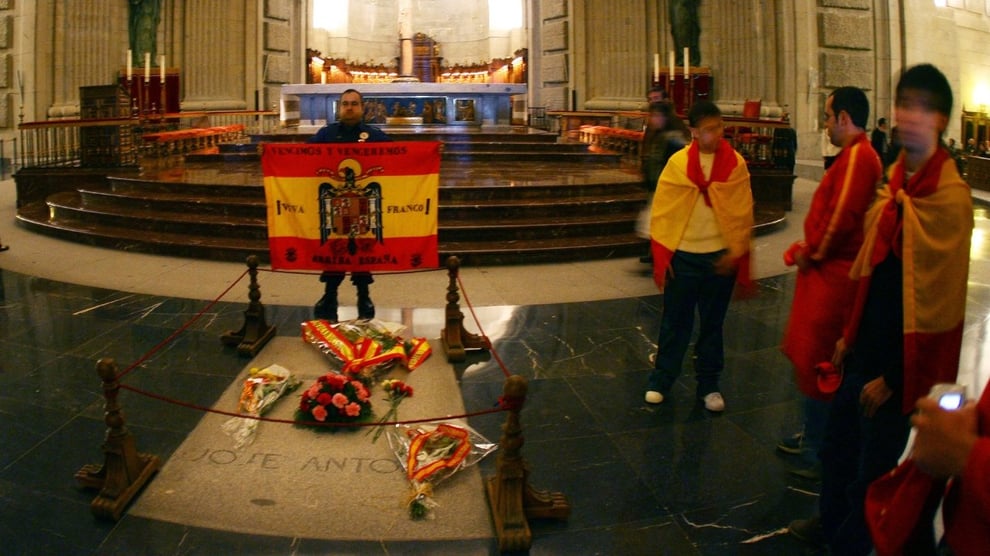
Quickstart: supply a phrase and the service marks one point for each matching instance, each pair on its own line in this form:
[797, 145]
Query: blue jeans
[693, 286]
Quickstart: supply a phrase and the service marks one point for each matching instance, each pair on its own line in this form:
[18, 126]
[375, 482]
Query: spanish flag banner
[352, 206]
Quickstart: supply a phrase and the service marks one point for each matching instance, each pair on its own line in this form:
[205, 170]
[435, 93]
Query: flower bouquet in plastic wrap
[262, 388]
[432, 452]
[368, 348]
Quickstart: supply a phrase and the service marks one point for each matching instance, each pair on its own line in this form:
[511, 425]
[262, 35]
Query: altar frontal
[352, 206]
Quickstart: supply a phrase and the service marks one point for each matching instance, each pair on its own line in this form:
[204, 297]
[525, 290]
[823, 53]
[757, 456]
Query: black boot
[366, 309]
[326, 307]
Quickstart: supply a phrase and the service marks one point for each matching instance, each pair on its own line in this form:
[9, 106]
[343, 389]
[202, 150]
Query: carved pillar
[619, 59]
[213, 71]
[86, 52]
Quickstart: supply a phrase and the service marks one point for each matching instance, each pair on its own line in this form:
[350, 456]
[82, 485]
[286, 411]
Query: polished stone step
[527, 199]
[537, 242]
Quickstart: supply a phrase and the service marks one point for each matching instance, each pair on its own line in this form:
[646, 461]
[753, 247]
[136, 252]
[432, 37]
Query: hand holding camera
[946, 430]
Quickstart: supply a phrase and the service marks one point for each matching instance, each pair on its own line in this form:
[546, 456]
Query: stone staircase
[506, 197]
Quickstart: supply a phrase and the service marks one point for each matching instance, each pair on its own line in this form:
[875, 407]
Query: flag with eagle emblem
[352, 206]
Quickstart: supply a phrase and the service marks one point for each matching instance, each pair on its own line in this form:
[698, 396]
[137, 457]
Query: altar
[409, 103]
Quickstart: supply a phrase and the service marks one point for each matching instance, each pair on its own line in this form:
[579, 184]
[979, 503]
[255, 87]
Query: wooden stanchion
[510, 497]
[455, 339]
[255, 332]
[124, 470]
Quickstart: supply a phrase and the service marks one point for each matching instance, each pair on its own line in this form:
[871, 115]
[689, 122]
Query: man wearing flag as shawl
[833, 234]
[905, 329]
[700, 226]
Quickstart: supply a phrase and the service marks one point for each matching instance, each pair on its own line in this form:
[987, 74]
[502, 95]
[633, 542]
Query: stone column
[619, 60]
[85, 52]
[212, 73]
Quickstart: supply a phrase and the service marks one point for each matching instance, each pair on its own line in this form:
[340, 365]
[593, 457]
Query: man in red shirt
[823, 293]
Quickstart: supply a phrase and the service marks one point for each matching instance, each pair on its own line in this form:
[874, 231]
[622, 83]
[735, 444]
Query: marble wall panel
[554, 68]
[278, 36]
[553, 8]
[849, 4]
[852, 30]
[554, 35]
[847, 68]
[278, 9]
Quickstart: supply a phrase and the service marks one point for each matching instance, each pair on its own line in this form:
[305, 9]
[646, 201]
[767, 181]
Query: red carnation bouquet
[334, 398]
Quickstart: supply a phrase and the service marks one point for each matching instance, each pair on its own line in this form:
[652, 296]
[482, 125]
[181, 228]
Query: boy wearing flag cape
[700, 232]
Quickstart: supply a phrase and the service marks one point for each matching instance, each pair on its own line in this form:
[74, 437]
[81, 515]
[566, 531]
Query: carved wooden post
[124, 470]
[255, 332]
[455, 339]
[511, 499]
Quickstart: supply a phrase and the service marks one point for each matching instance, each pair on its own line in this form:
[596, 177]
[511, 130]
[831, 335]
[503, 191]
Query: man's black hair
[931, 85]
[355, 91]
[852, 101]
[701, 110]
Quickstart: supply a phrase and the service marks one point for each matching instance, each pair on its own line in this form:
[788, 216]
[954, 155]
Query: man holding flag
[349, 128]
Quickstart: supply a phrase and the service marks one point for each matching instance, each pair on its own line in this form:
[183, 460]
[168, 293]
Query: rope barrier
[481, 330]
[385, 272]
[498, 409]
[503, 404]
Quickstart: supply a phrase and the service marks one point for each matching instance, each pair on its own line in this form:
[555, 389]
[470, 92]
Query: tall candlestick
[656, 67]
[130, 65]
[687, 57]
[670, 70]
[161, 73]
[147, 67]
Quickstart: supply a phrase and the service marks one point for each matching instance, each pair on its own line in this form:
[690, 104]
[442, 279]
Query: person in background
[657, 93]
[878, 138]
[665, 134]
[349, 128]
[833, 234]
[905, 326]
[894, 148]
[701, 223]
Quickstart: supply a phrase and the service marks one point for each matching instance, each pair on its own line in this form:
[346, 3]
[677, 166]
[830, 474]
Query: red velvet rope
[503, 404]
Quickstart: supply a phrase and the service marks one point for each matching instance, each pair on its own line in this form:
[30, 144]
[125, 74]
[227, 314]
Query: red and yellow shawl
[928, 219]
[727, 191]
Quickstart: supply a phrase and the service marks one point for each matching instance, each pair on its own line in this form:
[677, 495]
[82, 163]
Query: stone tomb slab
[299, 482]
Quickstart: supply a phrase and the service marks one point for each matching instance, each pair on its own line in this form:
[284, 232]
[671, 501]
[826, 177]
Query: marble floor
[673, 479]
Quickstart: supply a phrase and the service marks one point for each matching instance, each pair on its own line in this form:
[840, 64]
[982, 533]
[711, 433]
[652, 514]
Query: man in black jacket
[349, 128]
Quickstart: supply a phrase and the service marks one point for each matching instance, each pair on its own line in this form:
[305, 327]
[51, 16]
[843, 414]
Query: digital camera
[949, 396]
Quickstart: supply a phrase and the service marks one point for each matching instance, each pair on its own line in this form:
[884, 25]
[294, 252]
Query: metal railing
[60, 143]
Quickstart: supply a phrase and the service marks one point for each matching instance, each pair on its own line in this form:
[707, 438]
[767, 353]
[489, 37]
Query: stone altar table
[409, 103]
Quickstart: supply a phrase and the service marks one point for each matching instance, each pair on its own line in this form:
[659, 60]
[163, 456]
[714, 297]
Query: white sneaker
[714, 402]
[652, 396]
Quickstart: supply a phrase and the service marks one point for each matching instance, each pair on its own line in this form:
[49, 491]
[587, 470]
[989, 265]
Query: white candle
[162, 70]
[671, 60]
[656, 66]
[147, 67]
[687, 56]
[130, 66]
